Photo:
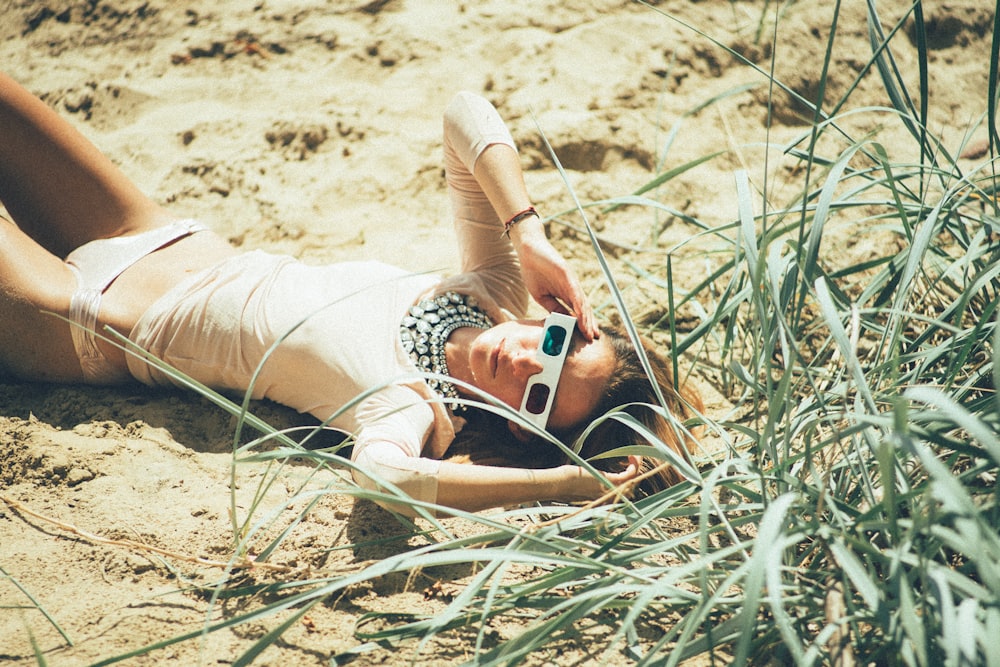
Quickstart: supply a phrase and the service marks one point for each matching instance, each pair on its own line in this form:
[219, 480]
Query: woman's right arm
[546, 274]
[472, 488]
[478, 487]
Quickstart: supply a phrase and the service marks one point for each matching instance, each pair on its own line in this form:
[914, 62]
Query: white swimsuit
[98, 264]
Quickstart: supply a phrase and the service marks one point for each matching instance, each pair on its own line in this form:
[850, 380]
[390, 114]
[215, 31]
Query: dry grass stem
[245, 563]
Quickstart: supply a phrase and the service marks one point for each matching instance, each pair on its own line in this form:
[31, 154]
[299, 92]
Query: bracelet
[528, 212]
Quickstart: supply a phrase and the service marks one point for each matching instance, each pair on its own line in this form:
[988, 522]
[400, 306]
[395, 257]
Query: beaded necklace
[425, 329]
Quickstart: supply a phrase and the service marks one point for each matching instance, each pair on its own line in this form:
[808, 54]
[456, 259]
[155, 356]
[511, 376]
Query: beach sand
[312, 127]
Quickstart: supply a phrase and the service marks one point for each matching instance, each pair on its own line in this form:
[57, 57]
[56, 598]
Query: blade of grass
[609, 277]
[992, 91]
[36, 605]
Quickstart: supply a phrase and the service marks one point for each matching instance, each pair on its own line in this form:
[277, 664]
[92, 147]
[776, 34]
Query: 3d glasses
[540, 393]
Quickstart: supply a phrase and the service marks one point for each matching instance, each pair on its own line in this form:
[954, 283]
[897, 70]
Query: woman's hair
[487, 441]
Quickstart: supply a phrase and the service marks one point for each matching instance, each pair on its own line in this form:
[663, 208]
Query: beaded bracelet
[528, 212]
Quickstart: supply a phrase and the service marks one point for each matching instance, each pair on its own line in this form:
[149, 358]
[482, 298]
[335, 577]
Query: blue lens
[552, 344]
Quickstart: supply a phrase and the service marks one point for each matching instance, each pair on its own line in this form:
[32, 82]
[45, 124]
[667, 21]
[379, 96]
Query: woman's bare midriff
[135, 290]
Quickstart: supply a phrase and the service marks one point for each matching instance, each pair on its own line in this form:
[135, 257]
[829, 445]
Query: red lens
[538, 397]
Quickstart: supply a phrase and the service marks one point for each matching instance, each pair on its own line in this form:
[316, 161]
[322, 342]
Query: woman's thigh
[58, 187]
[35, 289]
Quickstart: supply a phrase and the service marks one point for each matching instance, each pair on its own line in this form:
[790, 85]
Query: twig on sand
[246, 563]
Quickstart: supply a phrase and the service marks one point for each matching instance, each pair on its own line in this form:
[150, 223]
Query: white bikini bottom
[96, 265]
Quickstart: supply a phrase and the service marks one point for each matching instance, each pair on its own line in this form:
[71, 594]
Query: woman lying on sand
[85, 244]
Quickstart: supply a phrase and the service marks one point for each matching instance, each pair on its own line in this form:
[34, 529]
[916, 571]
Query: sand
[312, 127]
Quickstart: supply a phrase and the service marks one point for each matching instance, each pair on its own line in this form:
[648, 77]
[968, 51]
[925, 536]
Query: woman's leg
[56, 185]
[33, 344]
[61, 192]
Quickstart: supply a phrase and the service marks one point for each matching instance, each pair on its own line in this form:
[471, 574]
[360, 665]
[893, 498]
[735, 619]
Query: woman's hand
[549, 278]
[580, 485]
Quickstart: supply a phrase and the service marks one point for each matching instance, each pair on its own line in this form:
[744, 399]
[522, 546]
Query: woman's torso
[154, 282]
[312, 337]
[152, 276]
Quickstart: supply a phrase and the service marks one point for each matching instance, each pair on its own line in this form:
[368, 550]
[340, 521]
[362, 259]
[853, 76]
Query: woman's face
[502, 358]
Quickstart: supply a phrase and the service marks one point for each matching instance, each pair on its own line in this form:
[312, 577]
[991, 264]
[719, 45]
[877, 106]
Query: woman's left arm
[548, 277]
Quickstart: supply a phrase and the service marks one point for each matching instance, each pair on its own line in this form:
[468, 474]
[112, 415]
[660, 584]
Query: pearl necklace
[425, 329]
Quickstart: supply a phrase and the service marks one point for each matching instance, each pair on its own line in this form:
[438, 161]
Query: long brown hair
[630, 391]
[486, 440]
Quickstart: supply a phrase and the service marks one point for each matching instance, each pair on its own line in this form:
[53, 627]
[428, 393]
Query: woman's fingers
[628, 474]
[554, 285]
[586, 321]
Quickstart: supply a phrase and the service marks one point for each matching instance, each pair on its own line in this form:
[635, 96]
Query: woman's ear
[521, 433]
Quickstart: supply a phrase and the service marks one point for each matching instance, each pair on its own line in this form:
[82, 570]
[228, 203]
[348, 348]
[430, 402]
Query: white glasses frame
[552, 364]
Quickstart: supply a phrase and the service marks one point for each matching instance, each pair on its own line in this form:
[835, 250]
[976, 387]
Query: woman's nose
[525, 363]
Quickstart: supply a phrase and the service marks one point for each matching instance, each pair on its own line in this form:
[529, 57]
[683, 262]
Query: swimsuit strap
[96, 265]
